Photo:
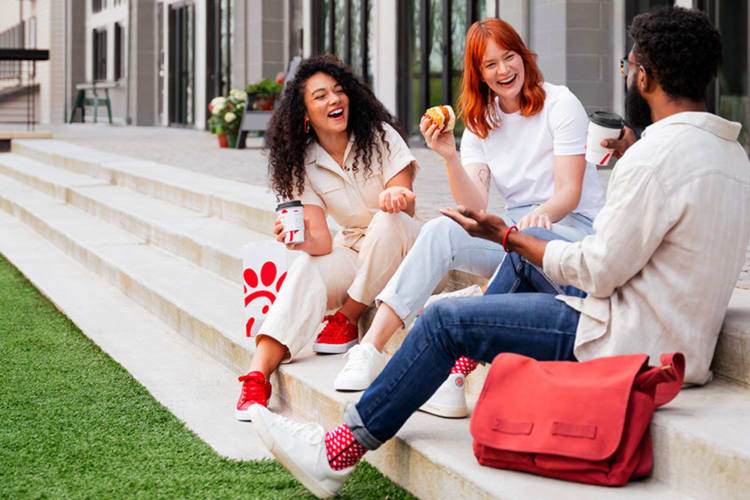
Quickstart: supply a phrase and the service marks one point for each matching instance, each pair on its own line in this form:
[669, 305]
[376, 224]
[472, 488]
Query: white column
[516, 13]
[199, 83]
[619, 39]
[307, 28]
[688, 4]
[383, 49]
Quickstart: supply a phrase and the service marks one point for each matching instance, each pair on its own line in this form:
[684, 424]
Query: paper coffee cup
[292, 217]
[602, 125]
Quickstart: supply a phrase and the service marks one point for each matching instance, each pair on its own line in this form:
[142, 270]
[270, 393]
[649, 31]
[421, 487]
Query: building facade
[168, 58]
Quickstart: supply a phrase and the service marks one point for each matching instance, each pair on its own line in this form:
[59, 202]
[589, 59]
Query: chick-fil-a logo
[260, 292]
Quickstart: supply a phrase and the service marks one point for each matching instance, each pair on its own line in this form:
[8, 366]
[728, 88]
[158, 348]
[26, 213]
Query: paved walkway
[199, 151]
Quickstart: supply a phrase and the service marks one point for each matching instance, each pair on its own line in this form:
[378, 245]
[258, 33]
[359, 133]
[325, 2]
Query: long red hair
[475, 101]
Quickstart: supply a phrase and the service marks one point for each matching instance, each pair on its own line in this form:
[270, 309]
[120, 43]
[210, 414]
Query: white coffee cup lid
[607, 119]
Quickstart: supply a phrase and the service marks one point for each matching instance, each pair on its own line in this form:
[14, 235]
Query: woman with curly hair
[334, 147]
[525, 136]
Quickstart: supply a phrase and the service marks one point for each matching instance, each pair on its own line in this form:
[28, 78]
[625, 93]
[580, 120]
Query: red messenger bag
[585, 422]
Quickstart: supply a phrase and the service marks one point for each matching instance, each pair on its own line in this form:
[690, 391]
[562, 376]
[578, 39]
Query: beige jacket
[352, 199]
[668, 245]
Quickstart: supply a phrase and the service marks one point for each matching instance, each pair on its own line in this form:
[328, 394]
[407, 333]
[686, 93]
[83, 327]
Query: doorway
[182, 64]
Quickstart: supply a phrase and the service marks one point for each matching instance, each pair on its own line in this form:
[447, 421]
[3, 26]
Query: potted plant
[226, 116]
[263, 93]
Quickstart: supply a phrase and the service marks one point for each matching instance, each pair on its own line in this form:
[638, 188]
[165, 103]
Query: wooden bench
[258, 120]
[96, 100]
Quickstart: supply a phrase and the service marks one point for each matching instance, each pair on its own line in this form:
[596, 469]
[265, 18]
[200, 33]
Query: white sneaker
[301, 448]
[364, 363]
[450, 398]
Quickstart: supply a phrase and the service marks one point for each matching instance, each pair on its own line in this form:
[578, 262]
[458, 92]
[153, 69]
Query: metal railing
[18, 88]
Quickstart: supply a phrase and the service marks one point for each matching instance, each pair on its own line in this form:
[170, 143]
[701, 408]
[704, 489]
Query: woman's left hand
[395, 199]
[535, 219]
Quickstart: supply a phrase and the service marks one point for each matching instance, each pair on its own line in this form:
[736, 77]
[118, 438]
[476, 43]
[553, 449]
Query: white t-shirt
[520, 152]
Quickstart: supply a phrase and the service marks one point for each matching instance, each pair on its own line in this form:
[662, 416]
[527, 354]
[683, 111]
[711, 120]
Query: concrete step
[210, 242]
[195, 387]
[732, 358]
[431, 457]
[203, 307]
[237, 202]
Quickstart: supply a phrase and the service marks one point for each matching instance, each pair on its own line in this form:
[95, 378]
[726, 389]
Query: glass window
[458, 48]
[732, 81]
[350, 39]
[415, 51]
[443, 68]
[436, 45]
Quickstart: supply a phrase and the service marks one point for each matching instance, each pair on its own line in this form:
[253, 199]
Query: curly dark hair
[286, 138]
[680, 47]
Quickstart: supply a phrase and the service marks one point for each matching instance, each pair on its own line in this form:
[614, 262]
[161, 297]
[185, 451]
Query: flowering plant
[226, 112]
[264, 93]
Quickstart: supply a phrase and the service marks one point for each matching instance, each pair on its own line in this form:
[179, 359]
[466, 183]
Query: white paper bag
[264, 268]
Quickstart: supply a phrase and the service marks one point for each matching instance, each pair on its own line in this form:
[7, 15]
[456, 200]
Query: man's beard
[637, 110]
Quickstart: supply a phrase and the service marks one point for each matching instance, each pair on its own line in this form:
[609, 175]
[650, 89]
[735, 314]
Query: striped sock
[342, 449]
[464, 365]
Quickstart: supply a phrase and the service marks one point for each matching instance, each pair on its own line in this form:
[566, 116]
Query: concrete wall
[575, 43]
[383, 51]
[548, 20]
[514, 12]
[10, 12]
[106, 19]
[259, 40]
[589, 52]
[55, 98]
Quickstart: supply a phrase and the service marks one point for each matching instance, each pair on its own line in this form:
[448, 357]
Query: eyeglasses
[625, 64]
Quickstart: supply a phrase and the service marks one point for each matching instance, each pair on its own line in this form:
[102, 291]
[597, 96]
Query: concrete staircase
[167, 241]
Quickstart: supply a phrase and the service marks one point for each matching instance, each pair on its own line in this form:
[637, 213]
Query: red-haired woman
[525, 136]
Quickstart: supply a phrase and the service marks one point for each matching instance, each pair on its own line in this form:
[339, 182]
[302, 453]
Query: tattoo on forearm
[484, 176]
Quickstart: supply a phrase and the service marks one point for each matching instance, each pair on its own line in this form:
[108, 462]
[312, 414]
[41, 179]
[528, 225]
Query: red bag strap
[663, 381]
[674, 364]
[673, 368]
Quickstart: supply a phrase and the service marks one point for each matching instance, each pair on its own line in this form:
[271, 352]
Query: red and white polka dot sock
[464, 365]
[342, 449]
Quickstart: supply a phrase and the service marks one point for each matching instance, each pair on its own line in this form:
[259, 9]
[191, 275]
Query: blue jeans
[519, 313]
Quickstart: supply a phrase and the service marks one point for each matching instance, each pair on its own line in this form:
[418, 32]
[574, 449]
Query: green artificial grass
[75, 424]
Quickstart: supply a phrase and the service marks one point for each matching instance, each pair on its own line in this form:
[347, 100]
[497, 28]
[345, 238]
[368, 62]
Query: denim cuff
[361, 434]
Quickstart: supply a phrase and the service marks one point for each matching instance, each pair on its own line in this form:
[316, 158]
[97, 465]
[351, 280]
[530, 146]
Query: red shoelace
[337, 324]
[254, 388]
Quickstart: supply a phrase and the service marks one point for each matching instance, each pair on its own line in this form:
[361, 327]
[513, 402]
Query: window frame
[99, 54]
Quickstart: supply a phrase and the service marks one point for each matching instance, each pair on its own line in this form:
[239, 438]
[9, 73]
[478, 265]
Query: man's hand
[620, 145]
[395, 199]
[478, 224]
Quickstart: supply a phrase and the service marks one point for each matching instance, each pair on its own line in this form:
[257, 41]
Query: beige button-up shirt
[668, 245]
[352, 199]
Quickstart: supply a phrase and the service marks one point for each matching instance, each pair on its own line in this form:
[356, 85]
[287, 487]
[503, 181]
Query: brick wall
[589, 61]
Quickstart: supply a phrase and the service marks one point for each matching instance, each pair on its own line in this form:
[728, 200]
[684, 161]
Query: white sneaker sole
[243, 415]
[445, 411]
[333, 348]
[309, 482]
[350, 386]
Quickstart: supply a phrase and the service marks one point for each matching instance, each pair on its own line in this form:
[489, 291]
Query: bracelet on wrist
[505, 238]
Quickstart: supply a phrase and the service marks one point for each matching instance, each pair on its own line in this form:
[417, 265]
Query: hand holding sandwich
[437, 128]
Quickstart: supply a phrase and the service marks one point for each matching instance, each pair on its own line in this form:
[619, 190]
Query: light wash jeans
[518, 314]
[443, 245]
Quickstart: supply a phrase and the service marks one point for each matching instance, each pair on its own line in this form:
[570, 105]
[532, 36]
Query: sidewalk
[198, 151]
